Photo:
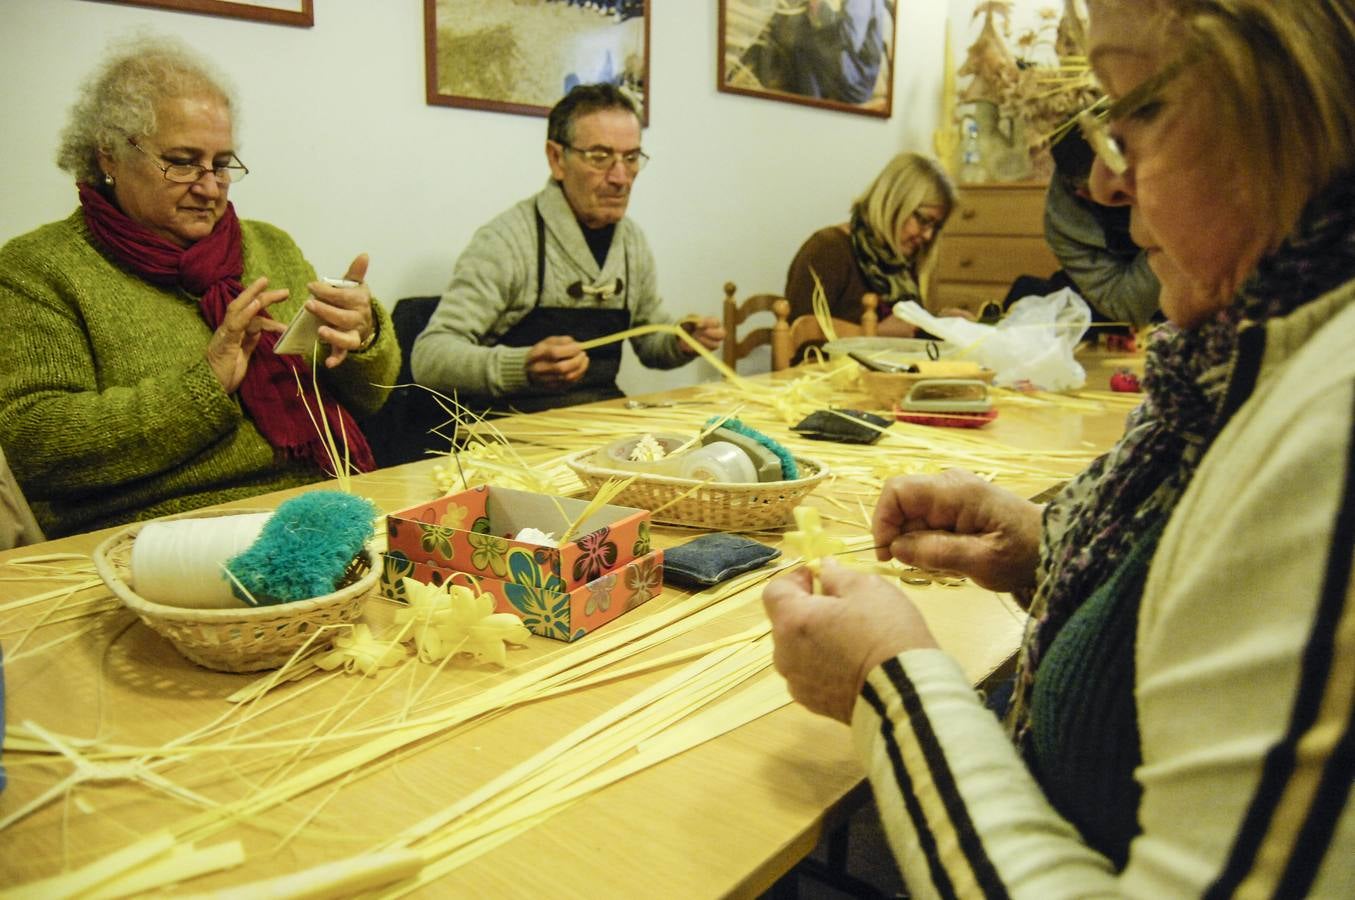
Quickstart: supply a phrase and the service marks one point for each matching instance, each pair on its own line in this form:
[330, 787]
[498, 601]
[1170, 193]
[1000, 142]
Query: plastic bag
[1033, 343]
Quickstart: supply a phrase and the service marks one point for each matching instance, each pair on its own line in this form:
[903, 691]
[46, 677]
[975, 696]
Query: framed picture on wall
[837, 54]
[522, 57]
[279, 12]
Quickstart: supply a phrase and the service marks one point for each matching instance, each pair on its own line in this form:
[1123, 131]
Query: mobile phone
[304, 329]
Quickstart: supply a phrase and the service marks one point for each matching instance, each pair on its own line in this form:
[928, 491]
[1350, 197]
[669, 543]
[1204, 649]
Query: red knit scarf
[211, 269]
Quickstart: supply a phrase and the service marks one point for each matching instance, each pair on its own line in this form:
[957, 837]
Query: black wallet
[712, 558]
[843, 425]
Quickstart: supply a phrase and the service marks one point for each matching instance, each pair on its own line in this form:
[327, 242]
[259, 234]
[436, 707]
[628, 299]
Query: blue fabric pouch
[713, 558]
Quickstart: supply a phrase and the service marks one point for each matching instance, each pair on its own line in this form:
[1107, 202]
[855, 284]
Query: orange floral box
[560, 592]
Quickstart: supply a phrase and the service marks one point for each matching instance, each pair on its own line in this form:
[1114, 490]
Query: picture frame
[300, 13]
[833, 54]
[521, 58]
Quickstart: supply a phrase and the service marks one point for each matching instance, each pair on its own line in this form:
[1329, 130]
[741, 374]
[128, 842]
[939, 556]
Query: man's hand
[826, 644]
[707, 331]
[234, 340]
[556, 363]
[958, 522]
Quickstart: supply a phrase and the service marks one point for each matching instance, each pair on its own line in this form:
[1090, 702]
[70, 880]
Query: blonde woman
[1182, 718]
[888, 248]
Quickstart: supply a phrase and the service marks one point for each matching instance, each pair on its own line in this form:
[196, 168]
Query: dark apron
[580, 323]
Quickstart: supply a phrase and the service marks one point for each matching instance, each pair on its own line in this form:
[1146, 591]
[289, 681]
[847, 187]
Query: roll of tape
[719, 461]
[181, 562]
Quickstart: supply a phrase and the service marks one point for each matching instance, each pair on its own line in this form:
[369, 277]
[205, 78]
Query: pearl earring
[108, 179]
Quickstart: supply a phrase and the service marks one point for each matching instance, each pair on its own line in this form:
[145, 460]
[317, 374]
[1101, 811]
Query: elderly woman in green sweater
[140, 376]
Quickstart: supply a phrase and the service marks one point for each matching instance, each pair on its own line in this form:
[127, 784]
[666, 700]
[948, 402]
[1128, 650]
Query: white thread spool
[719, 461]
[181, 562]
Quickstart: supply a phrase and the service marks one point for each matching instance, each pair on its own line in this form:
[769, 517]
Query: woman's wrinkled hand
[827, 643]
[958, 522]
[234, 340]
[345, 313]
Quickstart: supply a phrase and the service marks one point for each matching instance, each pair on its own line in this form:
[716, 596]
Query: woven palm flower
[810, 541]
[361, 651]
[455, 619]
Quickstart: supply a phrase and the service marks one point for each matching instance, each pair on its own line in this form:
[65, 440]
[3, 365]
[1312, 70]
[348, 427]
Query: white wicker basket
[246, 639]
[725, 507]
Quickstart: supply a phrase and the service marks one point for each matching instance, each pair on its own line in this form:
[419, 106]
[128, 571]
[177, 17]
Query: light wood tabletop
[126, 738]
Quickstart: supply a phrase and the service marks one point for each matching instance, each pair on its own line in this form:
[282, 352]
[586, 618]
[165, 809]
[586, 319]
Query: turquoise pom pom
[304, 549]
[789, 469]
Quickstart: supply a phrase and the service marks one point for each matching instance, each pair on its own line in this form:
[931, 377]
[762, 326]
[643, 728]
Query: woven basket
[725, 507]
[246, 639]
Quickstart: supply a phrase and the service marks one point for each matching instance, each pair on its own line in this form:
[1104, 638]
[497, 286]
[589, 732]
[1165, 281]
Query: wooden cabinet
[995, 235]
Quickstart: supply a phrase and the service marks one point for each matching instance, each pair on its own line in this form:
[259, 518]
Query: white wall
[345, 154]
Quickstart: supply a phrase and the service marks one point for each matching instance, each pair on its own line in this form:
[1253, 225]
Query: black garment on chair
[401, 431]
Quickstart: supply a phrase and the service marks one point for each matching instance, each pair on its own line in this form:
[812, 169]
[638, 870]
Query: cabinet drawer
[1017, 211]
[994, 258]
[966, 295]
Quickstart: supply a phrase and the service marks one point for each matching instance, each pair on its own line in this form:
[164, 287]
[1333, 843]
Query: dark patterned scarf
[210, 269]
[1091, 526]
[885, 272]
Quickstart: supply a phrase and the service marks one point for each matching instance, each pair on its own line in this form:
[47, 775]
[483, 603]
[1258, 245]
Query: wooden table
[726, 818]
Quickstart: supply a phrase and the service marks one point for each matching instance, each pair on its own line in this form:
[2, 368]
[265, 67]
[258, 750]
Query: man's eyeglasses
[603, 158]
[188, 173]
[1095, 120]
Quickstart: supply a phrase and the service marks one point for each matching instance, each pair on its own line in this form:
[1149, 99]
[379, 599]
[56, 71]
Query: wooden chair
[402, 430]
[18, 528]
[785, 337]
[806, 330]
[735, 314]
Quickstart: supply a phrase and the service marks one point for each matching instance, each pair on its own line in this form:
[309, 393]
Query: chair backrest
[735, 314]
[18, 528]
[805, 330]
[400, 431]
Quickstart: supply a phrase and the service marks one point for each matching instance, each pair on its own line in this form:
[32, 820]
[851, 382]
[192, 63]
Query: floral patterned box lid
[473, 532]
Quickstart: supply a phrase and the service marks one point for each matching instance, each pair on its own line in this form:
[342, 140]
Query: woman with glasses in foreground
[139, 376]
[1182, 717]
[888, 248]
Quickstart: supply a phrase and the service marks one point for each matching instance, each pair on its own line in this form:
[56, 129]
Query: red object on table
[947, 420]
[1125, 381]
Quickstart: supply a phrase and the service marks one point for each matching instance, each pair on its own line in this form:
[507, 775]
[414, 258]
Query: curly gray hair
[119, 100]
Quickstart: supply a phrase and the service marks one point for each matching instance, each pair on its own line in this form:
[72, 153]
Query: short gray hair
[118, 101]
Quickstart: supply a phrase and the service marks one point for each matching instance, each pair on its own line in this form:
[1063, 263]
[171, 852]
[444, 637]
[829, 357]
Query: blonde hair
[120, 100]
[907, 181]
[1280, 75]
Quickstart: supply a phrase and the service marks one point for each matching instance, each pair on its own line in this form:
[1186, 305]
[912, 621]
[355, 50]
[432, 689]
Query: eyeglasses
[1095, 120]
[188, 173]
[603, 158]
[925, 221]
